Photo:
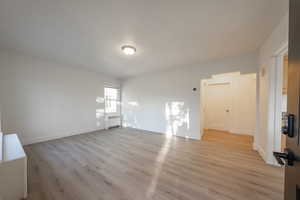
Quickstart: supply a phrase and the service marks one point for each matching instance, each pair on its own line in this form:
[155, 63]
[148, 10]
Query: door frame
[275, 103]
[204, 84]
[225, 80]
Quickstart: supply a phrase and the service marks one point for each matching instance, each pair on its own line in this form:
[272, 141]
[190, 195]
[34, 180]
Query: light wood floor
[126, 164]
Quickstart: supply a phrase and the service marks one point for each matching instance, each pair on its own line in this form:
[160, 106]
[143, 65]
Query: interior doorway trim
[220, 79]
[275, 109]
[204, 86]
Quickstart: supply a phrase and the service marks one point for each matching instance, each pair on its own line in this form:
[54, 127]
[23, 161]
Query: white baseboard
[261, 152]
[158, 132]
[235, 131]
[53, 137]
[254, 147]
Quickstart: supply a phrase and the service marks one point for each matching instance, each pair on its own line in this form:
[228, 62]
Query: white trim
[282, 50]
[260, 150]
[257, 128]
[254, 146]
[275, 103]
[278, 102]
[271, 114]
[53, 137]
[202, 103]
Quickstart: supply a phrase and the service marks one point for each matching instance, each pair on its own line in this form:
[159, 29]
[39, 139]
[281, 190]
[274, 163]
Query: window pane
[111, 93]
[111, 106]
[111, 100]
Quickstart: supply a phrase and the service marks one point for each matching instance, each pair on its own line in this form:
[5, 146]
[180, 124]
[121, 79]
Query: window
[111, 96]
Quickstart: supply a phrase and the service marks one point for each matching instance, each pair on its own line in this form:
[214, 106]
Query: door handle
[288, 157]
[288, 128]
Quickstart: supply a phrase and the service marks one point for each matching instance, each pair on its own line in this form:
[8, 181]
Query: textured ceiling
[166, 33]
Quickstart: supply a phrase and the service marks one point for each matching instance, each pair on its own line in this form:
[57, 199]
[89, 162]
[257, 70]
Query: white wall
[148, 99]
[43, 100]
[275, 41]
[241, 95]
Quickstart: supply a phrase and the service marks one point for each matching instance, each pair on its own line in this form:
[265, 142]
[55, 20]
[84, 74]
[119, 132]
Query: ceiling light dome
[128, 50]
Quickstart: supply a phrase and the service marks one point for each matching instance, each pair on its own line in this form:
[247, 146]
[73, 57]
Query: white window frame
[108, 100]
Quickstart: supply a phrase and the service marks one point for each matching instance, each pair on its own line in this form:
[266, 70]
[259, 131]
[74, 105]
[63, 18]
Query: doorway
[228, 103]
[285, 66]
[278, 98]
[217, 106]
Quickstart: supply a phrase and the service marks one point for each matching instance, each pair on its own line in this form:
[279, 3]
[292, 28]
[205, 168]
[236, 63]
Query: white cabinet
[13, 168]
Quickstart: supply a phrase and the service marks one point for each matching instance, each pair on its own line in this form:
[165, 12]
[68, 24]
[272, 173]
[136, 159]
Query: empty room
[149, 100]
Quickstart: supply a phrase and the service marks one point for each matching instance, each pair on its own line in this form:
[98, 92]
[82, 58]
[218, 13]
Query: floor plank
[128, 164]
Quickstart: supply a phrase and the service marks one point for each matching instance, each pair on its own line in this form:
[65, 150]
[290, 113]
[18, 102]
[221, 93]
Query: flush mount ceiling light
[128, 50]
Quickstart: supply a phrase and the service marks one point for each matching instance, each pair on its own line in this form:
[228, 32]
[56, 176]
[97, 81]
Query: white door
[217, 106]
